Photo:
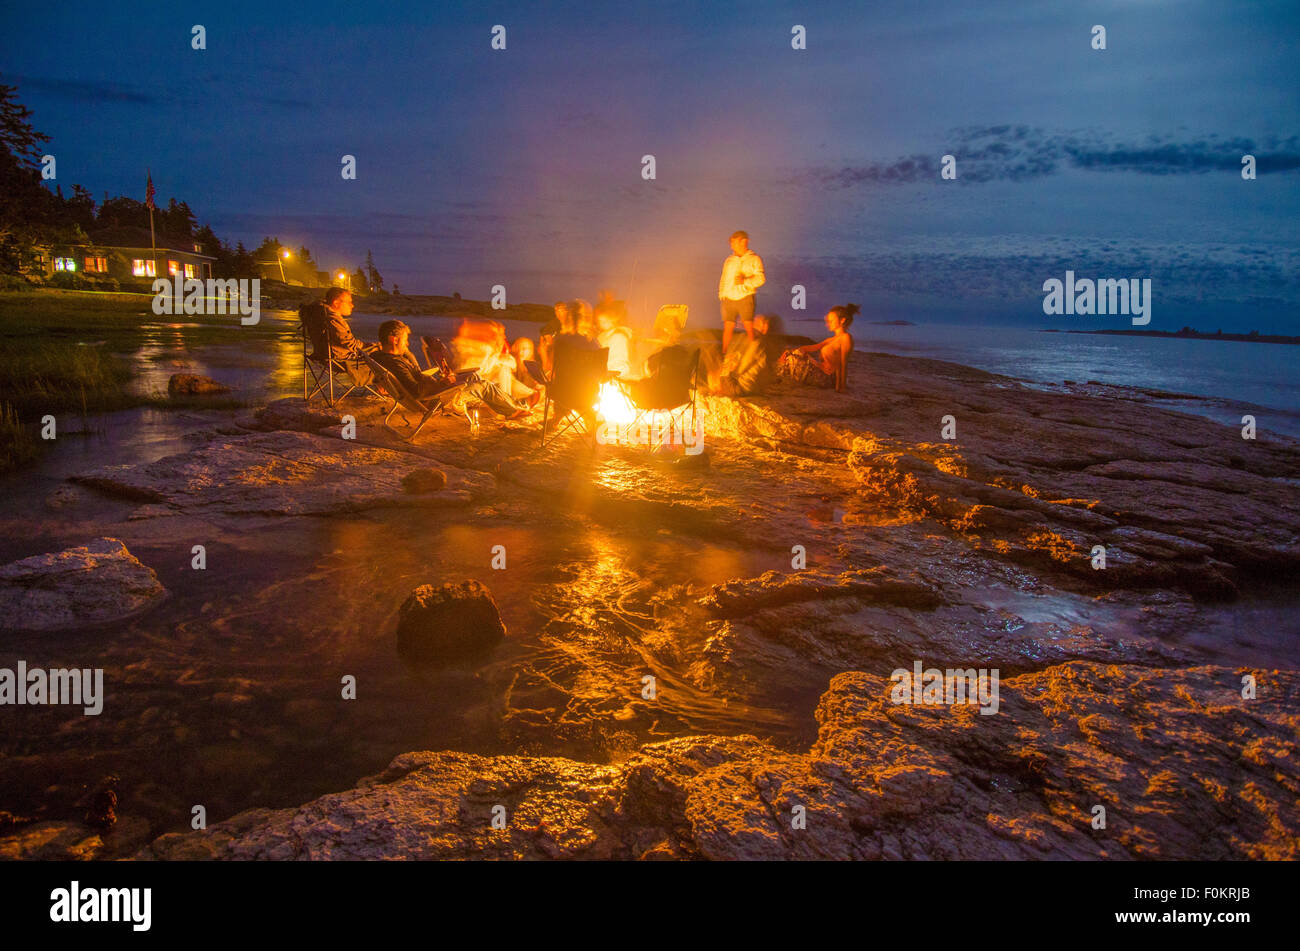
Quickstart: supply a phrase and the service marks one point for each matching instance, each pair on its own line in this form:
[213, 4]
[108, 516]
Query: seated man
[395, 356]
[327, 327]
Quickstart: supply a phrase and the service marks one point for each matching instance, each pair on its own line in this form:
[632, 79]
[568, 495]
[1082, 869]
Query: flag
[148, 194]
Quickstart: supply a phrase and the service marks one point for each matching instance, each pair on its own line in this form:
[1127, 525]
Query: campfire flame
[613, 406]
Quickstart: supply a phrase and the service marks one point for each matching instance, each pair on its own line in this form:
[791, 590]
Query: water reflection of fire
[613, 406]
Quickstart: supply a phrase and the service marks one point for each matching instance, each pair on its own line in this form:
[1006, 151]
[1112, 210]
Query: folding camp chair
[670, 319]
[404, 399]
[318, 373]
[672, 390]
[573, 386]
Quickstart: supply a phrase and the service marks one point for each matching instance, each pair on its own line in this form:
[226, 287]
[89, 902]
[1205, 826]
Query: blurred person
[395, 356]
[546, 338]
[614, 334]
[749, 366]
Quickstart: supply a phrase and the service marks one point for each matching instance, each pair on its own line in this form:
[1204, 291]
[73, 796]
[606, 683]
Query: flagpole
[153, 244]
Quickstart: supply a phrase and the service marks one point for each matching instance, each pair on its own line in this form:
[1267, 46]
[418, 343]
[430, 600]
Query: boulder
[419, 481]
[449, 624]
[91, 584]
[192, 384]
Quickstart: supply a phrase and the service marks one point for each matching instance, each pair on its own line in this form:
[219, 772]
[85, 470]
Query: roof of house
[128, 237]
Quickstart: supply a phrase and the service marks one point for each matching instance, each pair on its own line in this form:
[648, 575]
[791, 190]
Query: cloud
[100, 91]
[86, 90]
[1018, 153]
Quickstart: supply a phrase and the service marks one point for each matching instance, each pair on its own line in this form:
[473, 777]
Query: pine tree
[19, 140]
[375, 280]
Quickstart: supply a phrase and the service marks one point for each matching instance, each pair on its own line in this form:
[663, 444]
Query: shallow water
[228, 693]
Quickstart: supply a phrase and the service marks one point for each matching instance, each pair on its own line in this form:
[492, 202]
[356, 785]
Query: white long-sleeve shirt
[748, 267]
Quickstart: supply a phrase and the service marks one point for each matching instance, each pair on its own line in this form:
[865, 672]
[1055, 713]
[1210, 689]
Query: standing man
[742, 275]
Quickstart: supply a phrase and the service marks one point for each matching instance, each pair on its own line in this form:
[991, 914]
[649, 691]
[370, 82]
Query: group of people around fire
[510, 376]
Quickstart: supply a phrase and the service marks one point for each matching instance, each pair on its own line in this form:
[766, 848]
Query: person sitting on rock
[749, 365]
[824, 364]
[395, 356]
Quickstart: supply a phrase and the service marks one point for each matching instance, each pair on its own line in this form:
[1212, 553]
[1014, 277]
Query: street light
[283, 256]
[344, 276]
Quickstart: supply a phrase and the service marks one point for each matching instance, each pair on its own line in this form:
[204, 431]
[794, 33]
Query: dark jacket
[328, 331]
[407, 370]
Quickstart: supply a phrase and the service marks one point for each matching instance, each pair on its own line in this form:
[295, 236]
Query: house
[123, 254]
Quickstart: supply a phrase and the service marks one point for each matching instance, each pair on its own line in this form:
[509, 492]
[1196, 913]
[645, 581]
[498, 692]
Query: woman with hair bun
[824, 364]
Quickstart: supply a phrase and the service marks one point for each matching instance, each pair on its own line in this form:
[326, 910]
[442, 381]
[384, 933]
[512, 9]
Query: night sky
[523, 166]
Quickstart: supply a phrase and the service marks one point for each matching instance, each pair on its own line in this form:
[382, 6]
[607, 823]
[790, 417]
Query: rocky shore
[1076, 539]
[1183, 768]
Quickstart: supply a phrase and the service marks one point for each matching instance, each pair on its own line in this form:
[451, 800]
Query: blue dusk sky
[524, 167]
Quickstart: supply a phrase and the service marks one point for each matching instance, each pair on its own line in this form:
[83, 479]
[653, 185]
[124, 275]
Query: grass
[59, 377]
[59, 354]
[18, 442]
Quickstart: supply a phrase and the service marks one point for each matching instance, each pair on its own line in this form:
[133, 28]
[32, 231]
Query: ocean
[1261, 379]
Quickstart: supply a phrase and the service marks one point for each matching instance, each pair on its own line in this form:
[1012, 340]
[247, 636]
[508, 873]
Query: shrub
[68, 280]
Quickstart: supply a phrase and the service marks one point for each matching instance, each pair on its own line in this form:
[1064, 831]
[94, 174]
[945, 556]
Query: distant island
[1187, 333]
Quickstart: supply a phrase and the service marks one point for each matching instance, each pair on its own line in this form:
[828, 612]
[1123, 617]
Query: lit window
[173, 267]
[65, 264]
[98, 265]
[142, 268]
[190, 271]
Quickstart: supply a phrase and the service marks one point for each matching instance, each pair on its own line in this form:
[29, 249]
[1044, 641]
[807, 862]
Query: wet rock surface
[861, 542]
[280, 473]
[90, 584]
[1040, 478]
[1182, 765]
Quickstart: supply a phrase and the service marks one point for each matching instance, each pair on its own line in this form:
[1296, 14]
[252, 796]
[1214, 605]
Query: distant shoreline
[1185, 334]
